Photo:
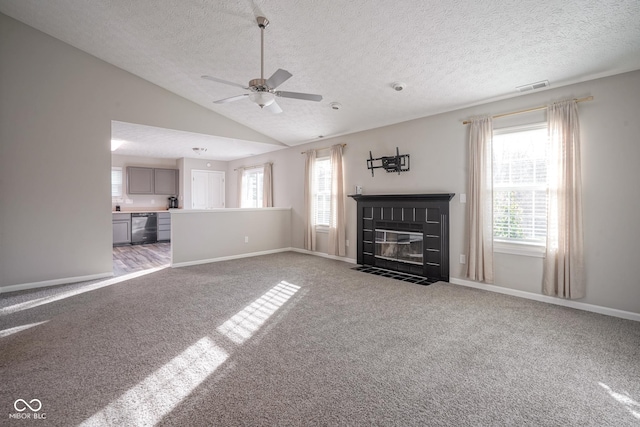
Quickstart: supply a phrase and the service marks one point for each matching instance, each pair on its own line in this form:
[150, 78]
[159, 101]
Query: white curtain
[337, 239]
[309, 218]
[480, 201]
[564, 265]
[267, 186]
[239, 189]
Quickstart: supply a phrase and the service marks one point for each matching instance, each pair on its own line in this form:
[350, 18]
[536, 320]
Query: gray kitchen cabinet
[121, 225]
[164, 226]
[160, 181]
[140, 180]
[165, 181]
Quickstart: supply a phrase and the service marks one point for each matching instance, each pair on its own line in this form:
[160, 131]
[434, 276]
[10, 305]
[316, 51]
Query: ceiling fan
[263, 92]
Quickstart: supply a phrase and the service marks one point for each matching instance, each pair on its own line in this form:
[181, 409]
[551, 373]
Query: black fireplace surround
[408, 233]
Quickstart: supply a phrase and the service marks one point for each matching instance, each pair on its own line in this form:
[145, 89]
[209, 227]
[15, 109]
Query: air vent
[532, 86]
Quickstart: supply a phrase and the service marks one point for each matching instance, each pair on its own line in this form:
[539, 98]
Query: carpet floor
[291, 339]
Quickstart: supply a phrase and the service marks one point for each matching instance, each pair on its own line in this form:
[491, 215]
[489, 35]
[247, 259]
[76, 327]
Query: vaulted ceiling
[449, 54]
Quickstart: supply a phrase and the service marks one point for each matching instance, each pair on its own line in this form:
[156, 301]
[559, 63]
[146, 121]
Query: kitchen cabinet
[164, 226]
[139, 180]
[165, 181]
[121, 225]
[159, 181]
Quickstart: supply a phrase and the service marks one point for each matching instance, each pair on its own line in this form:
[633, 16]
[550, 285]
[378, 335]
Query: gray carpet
[292, 339]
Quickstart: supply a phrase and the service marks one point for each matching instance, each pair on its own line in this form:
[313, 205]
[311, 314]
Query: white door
[207, 189]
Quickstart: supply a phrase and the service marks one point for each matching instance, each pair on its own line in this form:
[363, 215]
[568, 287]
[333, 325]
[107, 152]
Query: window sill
[524, 249]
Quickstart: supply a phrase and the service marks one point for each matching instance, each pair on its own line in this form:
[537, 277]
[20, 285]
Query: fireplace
[399, 246]
[406, 233]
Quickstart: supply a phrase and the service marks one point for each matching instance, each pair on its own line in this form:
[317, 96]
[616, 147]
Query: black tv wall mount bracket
[398, 163]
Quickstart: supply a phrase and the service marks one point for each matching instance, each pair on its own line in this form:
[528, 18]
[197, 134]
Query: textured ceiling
[450, 54]
[151, 141]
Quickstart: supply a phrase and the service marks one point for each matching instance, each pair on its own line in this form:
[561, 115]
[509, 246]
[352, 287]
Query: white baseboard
[252, 254]
[548, 299]
[65, 281]
[227, 258]
[323, 255]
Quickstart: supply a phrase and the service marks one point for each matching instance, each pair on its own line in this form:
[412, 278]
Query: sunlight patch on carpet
[149, 401]
[11, 331]
[243, 325]
[625, 400]
[67, 294]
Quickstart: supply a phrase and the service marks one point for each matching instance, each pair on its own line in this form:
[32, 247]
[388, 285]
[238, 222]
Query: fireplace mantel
[405, 216]
[432, 196]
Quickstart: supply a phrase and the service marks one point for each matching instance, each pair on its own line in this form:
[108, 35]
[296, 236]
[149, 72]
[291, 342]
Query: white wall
[610, 127]
[56, 109]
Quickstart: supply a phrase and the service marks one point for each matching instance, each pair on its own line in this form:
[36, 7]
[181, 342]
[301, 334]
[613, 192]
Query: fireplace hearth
[405, 233]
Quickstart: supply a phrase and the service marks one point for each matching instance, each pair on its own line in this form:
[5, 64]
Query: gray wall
[610, 128]
[56, 108]
[202, 236]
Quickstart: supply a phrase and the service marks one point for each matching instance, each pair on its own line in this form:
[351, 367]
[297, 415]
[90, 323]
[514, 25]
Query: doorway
[207, 189]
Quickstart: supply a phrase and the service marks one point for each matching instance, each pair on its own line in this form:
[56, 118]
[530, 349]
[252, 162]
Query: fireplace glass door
[402, 246]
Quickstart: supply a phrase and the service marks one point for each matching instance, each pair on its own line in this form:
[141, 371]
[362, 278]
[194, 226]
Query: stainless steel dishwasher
[144, 228]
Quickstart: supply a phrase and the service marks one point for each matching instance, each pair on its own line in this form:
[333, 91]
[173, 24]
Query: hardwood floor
[130, 258]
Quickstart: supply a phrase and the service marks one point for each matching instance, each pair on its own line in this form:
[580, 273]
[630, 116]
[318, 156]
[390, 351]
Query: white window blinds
[252, 188]
[520, 184]
[116, 182]
[322, 191]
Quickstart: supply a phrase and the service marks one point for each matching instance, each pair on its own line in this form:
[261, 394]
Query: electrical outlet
[463, 259]
[246, 239]
[347, 243]
[463, 198]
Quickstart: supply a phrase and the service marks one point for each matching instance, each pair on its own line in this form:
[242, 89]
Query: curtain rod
[324, 148]
[252, 166]
[528, 110]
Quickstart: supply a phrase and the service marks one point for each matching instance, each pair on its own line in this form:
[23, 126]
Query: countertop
[144, 211]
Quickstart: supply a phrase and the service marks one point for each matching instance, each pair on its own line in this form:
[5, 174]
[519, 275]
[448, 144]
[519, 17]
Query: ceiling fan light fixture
[263, 99]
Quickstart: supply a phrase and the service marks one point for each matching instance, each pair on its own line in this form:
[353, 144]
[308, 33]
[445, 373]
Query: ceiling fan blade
[215, 79]
[298, 95]
[233, 98]
[273, 108]
[279, 77]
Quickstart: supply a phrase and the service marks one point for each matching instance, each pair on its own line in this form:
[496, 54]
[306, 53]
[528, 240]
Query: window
[252, 188]
[520, 185]
[116, 182]
[322, 191]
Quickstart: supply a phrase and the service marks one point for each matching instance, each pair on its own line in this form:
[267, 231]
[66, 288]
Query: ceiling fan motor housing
[259, 85]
